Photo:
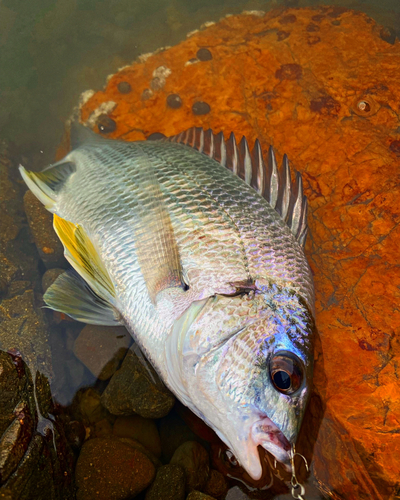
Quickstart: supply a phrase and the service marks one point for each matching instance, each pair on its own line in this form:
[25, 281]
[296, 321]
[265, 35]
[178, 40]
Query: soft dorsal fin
[272, 183]
[46, 184]
[80, 134]
[83, 257]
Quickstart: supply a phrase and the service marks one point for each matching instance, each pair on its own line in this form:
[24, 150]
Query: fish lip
[267, 434]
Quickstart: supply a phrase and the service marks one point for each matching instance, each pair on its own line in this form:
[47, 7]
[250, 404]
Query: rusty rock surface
[321, 85]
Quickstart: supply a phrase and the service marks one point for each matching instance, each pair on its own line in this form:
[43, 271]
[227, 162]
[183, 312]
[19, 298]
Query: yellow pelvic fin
[82, 255]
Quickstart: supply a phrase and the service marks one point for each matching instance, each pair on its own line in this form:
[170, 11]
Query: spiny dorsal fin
[273, 183]
[71, 295]
[83, 257]
[46, 184]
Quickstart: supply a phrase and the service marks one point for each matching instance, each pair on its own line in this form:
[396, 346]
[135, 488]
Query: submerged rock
[18, 257]
[169, 484]
[305, 77]
[136, 388]
[141, 429]
[101, 348]
[35, 458]
[90, 407]
[216, 485]
[109, 469]
[196, 463]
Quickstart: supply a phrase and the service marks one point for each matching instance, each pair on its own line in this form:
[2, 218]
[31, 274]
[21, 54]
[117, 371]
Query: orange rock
[322, 86]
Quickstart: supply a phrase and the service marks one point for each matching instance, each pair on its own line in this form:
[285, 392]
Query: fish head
[252, 386]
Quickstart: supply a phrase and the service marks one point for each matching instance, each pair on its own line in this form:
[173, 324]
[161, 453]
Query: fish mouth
[262, 432]
[266, 434]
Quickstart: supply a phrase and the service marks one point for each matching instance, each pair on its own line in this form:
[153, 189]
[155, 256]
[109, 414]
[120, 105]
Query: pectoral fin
[71, 295]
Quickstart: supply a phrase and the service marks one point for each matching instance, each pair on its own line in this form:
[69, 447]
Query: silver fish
[195, 244]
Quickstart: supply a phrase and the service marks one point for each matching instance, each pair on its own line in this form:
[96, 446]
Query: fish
[195, 244]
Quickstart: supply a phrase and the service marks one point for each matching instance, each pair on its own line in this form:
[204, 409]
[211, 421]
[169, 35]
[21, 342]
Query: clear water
[53, 50]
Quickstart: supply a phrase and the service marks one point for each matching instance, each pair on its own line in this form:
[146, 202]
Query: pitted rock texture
[322, 86]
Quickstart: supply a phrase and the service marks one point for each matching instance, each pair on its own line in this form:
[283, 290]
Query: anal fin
[71, 295]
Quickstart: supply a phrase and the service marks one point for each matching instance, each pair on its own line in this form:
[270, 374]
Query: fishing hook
[298, 495]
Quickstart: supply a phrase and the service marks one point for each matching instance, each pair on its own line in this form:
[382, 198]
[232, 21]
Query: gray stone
[136, 388]
[195, 461]
[169, 484]
[101, 348]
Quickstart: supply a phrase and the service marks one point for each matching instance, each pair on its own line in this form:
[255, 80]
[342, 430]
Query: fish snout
[267, 434]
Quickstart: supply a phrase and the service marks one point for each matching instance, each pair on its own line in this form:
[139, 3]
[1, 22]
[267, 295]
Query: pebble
[195, 461]
[102, 428]
[236, 493]
[75, 433]
[216, 485]
[198, 495]
[108, 469]
[169, 484]
[138, 446]
[101, 348]
[40, 223]
[141, 429]
[137, 389]
[90, 407]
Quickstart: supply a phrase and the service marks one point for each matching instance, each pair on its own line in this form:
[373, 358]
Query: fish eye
[286, 372]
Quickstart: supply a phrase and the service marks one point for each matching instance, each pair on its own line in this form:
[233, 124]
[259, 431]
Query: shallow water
[51, 52]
